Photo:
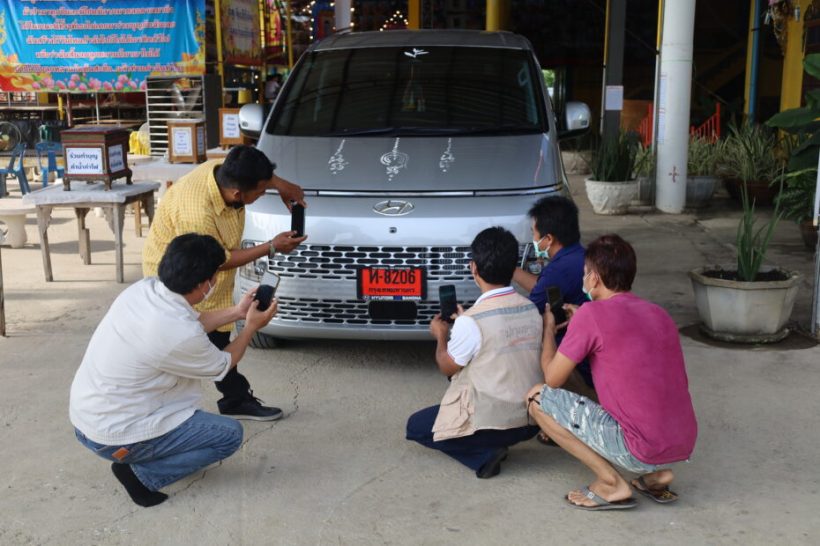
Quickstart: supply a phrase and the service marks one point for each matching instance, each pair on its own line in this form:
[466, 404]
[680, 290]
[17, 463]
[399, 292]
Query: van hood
[416, 164]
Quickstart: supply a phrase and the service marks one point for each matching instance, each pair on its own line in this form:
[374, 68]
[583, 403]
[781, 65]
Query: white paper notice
[230, 126]
[183, 140]
[84, 161]
[615, 97]
[115, 159]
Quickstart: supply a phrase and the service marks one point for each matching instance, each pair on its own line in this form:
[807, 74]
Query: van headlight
[255, 269]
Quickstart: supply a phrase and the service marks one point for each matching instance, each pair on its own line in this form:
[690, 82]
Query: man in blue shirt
[556, 238]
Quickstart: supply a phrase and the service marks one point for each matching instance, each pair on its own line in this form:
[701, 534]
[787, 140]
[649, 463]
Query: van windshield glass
[394, 91]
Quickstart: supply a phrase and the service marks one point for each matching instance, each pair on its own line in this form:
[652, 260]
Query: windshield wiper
[499, 130]
[397, 131]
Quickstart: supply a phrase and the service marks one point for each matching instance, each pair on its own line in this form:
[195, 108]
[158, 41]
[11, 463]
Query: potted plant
[701, 167]
[748, 160]
[612, 186]
[803, 144]
[746, 303]
[645, 175]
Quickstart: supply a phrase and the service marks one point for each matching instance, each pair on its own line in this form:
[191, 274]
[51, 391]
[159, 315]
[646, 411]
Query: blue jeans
[471, 451]
[203, 439]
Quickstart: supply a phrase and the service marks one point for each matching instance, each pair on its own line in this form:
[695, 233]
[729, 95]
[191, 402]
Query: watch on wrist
[272, 249]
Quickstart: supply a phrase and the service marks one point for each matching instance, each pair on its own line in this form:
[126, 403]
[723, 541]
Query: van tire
[264, 341]
[259, 340]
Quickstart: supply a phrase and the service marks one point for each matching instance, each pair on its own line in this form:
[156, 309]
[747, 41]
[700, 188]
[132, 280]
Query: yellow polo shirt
[194, 205]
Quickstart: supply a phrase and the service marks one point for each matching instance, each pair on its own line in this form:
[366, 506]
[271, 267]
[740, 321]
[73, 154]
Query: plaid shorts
[591, 424]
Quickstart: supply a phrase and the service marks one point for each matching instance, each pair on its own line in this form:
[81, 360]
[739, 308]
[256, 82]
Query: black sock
[138, 492]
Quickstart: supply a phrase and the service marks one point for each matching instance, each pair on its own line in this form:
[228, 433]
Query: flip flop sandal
[602, 504]
[663, 496]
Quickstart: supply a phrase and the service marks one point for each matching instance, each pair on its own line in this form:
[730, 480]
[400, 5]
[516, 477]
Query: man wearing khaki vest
[491, 358]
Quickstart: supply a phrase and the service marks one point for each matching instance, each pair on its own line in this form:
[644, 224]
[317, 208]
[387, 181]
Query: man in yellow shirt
[210, 200]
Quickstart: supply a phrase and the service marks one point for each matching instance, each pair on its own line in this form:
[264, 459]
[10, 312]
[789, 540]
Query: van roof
[428, 37]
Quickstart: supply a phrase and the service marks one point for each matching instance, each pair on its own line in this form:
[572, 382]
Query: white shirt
[140, 377]
[465, 338]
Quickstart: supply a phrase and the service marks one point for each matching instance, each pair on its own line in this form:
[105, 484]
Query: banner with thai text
[90, 46]
[241, 33]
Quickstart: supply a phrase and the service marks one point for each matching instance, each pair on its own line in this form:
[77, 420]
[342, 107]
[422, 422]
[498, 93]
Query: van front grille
[352, 312]
[444, 263]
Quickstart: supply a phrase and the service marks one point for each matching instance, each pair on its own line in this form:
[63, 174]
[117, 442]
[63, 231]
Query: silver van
[407, 143]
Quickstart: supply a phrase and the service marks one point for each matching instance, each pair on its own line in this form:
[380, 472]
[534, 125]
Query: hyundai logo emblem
[393, 208]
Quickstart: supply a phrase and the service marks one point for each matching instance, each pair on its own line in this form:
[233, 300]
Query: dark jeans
[234, 387]
[472, 451]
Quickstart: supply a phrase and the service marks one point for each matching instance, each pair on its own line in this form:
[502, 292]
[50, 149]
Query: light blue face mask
[540, 254]
[584, 288]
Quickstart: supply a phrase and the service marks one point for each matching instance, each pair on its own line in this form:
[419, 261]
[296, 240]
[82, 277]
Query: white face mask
[209, 292]
[540, 254]
[586, 292]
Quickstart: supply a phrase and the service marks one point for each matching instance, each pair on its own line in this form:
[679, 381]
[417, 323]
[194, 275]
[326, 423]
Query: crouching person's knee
[230, 438]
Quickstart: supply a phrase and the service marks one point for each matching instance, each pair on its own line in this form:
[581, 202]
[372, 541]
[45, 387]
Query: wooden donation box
[186, 141]
[95, 153]
[229, 133]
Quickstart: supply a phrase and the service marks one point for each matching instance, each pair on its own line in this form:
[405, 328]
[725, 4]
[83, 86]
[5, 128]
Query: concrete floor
[337, 469]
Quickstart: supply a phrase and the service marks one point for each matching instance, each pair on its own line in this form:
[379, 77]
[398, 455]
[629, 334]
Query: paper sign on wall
[614, 97]
[84, 161]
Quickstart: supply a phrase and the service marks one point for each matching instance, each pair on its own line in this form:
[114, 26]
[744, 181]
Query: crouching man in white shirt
[135, 398]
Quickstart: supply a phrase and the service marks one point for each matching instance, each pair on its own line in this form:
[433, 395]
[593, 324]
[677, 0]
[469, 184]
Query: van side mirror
[251, 118]
[576, 120]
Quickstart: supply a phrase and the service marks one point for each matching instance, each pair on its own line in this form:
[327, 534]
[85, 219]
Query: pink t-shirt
[637, 366]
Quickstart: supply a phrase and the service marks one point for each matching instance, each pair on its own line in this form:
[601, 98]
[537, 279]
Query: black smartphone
[265, 292]
[448, 301]
[297, 219]
[556, 303]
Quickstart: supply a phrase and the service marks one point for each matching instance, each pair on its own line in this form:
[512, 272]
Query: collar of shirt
[172, 296]
[217, 202]
[571, 249]
[507, 290]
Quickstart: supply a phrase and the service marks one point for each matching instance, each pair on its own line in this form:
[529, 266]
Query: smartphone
[266, 290]
[448, 301]
[297, 219]
[556, 303]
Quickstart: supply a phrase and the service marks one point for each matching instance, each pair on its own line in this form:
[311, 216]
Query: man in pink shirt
[645, 420]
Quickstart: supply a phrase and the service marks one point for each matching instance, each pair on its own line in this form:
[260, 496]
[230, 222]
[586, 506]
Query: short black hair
[558, 216]
[614, 260]
[495, 254]
[189, 260]
[244, 168]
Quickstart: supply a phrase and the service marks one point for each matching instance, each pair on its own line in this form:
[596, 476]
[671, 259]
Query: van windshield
[396, 91]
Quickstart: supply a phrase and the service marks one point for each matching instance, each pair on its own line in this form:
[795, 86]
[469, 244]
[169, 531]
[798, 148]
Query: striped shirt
[195, 205]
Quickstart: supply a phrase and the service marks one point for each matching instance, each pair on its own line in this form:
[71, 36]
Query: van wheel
[264, 341]
[259, 340]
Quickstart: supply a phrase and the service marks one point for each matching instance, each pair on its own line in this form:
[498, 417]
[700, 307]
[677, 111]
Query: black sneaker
[493, 466]
[250, 408]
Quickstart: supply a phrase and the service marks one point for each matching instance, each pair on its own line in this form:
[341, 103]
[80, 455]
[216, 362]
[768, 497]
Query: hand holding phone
[266, 290]
[556, 303]
[449, 302]
[297, 219]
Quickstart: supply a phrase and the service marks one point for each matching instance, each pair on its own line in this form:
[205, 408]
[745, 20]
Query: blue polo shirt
[566, 271]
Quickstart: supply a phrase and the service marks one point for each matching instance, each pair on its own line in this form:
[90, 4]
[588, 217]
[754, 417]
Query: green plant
[796, 197]
[803, 147]
[753, 242]
[703, 156]
[614, 159]
[748, 154]
[644, 161]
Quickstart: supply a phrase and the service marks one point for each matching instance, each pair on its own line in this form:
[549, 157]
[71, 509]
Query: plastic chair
[18, 171]
[50, 151]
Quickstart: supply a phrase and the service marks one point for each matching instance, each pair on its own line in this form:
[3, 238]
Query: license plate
[391, 283]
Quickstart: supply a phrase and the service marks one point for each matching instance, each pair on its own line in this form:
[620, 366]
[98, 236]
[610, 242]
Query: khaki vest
[488, 393]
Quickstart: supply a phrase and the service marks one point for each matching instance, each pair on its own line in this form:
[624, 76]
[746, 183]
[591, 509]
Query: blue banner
[89, 46]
